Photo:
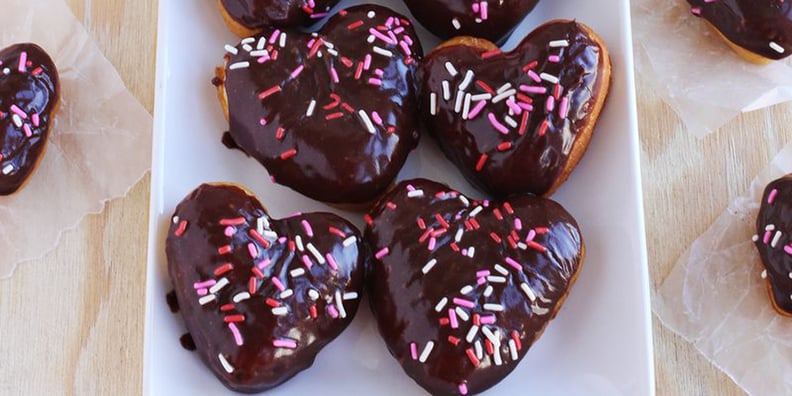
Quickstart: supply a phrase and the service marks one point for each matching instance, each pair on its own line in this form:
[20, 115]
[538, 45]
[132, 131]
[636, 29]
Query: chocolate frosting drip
[262, 302]
[473, 283]
[763, 27]
[332, 117]
[449, 18]
[257, 14]
[773, 240]
[29, 92]
[511, 120]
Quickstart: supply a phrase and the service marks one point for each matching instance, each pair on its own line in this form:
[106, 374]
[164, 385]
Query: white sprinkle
[495, 340]
[366, 121]
[349, 241]
[280, 311]
[313, 294]
[299, 243]
[350, 296]
[480, 97]
[770, 227]
[248, 40]
[528, 292]
[286, 293]
[371, 39]
[460, 97]
[446, 90]
[479, 351]
[456, 23]
[231, 49]
[315, 252]
[764, 274]
[466, 290]
[17, 120]
[522, 246]
[462, 314]
[261, 43]
[175, 219]
[331, 52]
[497, 356]
[558, 43]
[311, 107]
[415, 193]
[471, 251]
[226, 366]
[776, 238]
[755, 238]
[493, 307]
[466, 107]
[510, 121]
[776, 47]
[206, 299]
[440, 305]
[468, 79]
[433, 103]
[371, 14]
[383, 52]
[539, 310]
[219, 285]
[270, 234]
[464, 200]
[496, 279]
[282, 42]
[241, 297]
[790, 274]
[247, 47]
[471, 334]
[501, 269]
[261, 224]
[488, 291]
[504, 95]
[476, 211]
[239, 65]
[513, 349]
[503, 88]
[549, 78]
[259, 53]
[429, 265]
[298, 272]
[340, 304]
[451, 69]
[426, 351]
[458, 236]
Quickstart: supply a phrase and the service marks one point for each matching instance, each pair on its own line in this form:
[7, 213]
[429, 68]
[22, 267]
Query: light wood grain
[72, 323]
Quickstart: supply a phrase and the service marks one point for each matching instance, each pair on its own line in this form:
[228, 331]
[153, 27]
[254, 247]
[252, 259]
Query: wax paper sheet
[697, 74]
[715, 297]
[100, 144]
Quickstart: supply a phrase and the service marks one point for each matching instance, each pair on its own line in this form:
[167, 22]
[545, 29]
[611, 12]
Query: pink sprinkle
[382, 253]
[229, 231]
[334, 74]
[766, 238]
[533, 89]
[481, 281]
[297, 71]
[331, 309]
[531, 236]
[772, 196]
[253, 250]
[274, 36]
[554, 58]
[405, 48]
[203, 292]
[264, 263]
[19, 112]
[497, 125]
[788, 249]
[514, 264]
[331, 261]
[464, 303]
[307, 261]
[278, 284]
[414, 351]
[204, 284]
[534, 76]
[564, 108]
[375, 81]
[695, 11]
[489, 319]
[376, 33]
[484, 15]
[290, 344]
[376, 117]
[482, 273]
[308, 229]
[28, 132]
[35, 119]
[367, 62]
[453, 318]
[463, 389]
[432, 243]
[263, 122]
[550, 105]
[22, 62]
[237, 335]
[517, 224]
[477, 109]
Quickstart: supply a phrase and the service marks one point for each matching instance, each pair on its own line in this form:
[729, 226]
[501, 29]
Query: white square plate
[600, 344]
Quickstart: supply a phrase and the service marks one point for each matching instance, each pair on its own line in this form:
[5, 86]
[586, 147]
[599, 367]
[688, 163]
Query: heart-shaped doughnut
[493, 20]
[29, 97]
[758, 30]
[261, 297]
[517, 122]
[461, 288]
[773, 240]
[247, 17]
[332, 115]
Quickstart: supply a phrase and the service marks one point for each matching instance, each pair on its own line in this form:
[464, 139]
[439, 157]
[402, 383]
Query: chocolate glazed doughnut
[331, 115]
[29, 97]
[773, 241]
[247, 17]
[462, 288]
[758, 30]
[493, 20]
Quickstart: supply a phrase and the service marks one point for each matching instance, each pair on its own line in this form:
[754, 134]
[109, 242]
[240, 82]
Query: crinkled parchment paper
[100, 144]
[694, 70]
[715, 297]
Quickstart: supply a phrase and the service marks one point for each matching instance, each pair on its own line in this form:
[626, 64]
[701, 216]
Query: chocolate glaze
[337, 158]
[32, 89]
[405, 288]
[751, 24]
[535, 152]
[195, 249]
[439, 17]
[187, 342]
[257, 14]
[775, 216]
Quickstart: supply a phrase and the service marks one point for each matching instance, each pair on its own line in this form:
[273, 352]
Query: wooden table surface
[83, 332]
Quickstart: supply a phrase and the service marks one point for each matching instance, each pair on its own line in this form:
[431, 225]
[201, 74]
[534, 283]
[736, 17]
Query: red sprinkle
[495, 237]
[480, 164]
[354, 25]
[272, 302]
[312, 310]
[288, 154]
[472, 356]
[233, 222]
[453, 340]
[224, 249]
[337, 232]
[223, 269]
[227, 307]
[508, 208]
[182, 227]
[260, 239]
[234, 318]
[252, 285]
[444, 321]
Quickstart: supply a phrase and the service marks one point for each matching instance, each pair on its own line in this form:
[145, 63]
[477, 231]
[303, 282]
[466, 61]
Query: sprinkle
[331, 261]
[367, 121]
[549, 78]
[22, 62]
[451, 69]
[231, 50]
[463, 389]
[772, 196]
[311, 107]
[287, 293]
[315, 252]
[278, 284]
[383, 52]
[382, 253]
[340, 304]
[453, 318]
[426, 351]
[226, 366]
[241, 297]
[440, 305]
[349, 241]
[288, 154]
[476, 211]
[219, 285]
[275, 89]
[223, 269]
[464, 303]
[284, 343]
[468, 79]
[528, 292]
[776, 47]
[313, 294]
[239, 65]
[497, 125]
[429, 265]
[297, 272]
[280, 311]
[415, 193]
[558, 43]
[235, 332]
[433, 103]
[462, 314]
[776, 238]
[179, 230]
[493, 307]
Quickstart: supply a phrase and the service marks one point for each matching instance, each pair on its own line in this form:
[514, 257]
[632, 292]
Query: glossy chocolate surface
[493, 20]
[763, 27]
[332, 117]
[511, 120]
[466, 276]
[257, 14]
[287, 287]
[773, 240]
[29, 93]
